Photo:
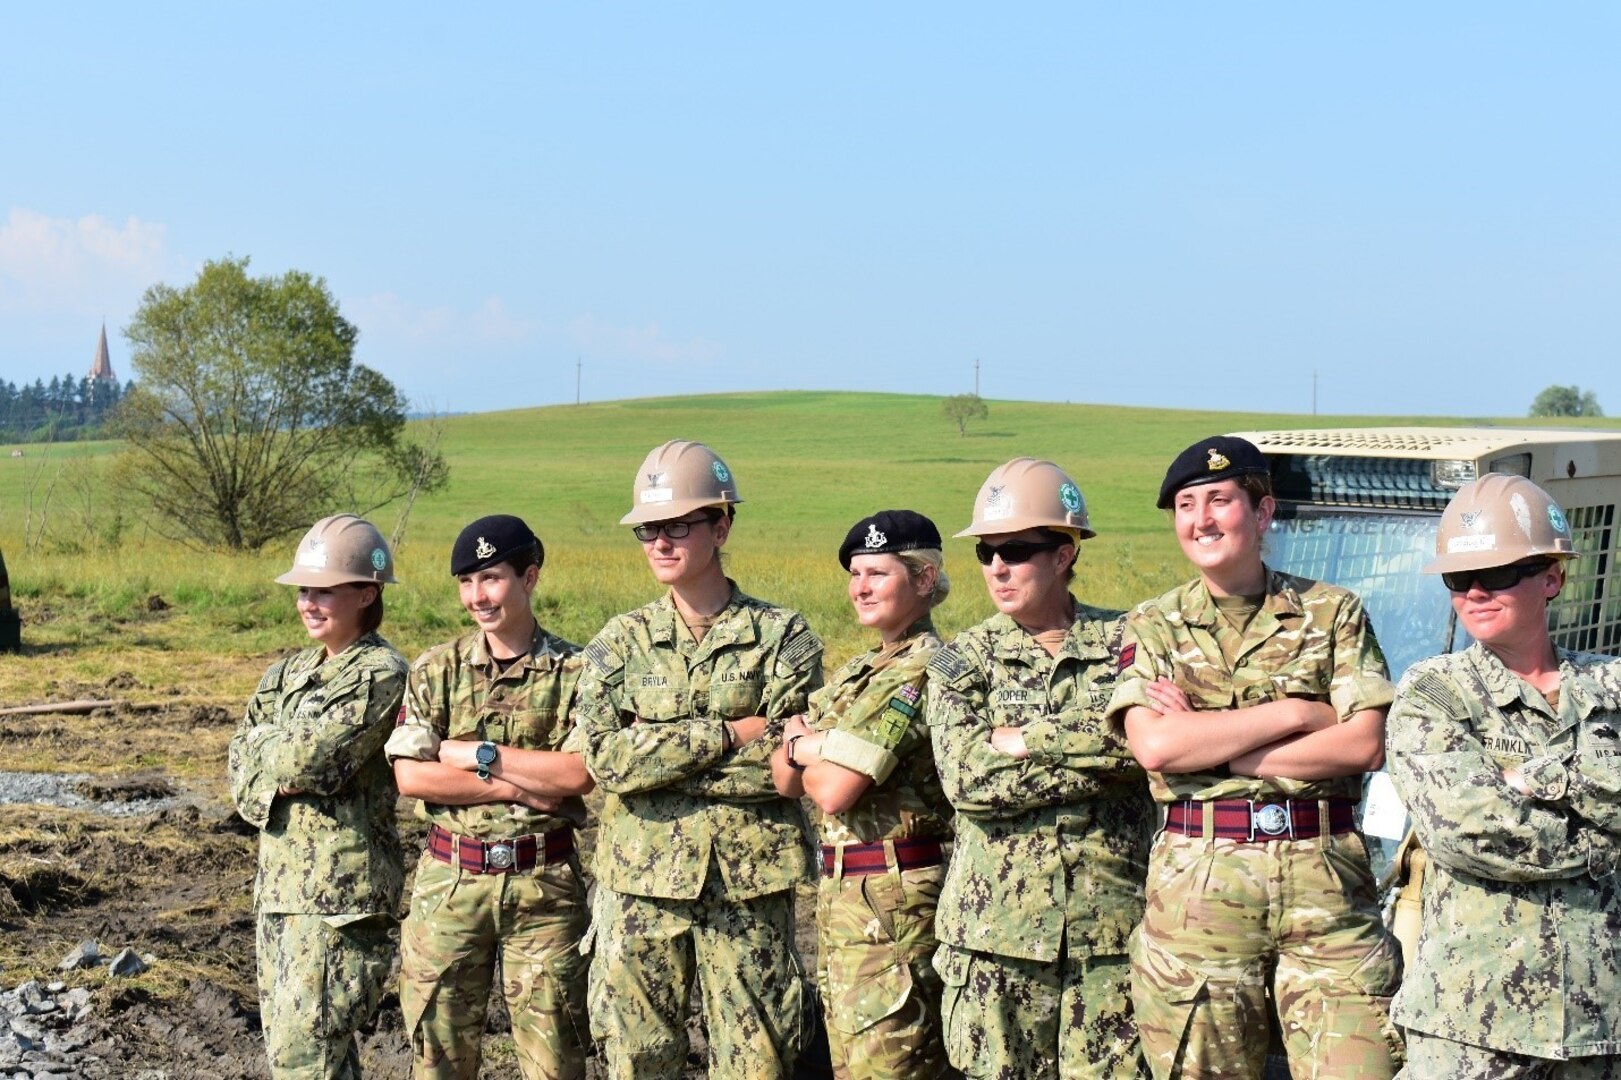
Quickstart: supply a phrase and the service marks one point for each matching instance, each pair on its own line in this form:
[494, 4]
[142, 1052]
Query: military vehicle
[10, 624]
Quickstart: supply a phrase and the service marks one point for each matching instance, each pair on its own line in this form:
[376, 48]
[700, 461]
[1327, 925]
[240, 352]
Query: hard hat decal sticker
[484, 549]
[656, 479]
[1522, 512]
[1070, 496]
[313, 556]
[1469, 518]
[658, 495]
[379, 558]
[875, 539]
[1557, 520]
[998, 503]
[721, 472]
[1479, 542]
[1218, 461]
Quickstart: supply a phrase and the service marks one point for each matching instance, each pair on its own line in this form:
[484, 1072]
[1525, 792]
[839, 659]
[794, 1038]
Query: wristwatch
[485, 755]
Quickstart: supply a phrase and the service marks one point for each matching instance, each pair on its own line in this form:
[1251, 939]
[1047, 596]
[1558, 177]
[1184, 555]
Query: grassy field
[808, 465]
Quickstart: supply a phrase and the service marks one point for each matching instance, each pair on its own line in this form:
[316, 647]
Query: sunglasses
[675, 530]
[1493, 578]
[1014, 552]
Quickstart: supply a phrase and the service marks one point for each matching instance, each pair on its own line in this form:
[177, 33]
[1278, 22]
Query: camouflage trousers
[880, 992]
[648, 951]
[461, 926]
[321, 979]
[1013, 1019]
[1226, 922]
[1432, 1056]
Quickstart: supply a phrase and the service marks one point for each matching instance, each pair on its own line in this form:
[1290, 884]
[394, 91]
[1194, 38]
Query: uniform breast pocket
[535, 729]
[1303, 684]
[656, 695]
[734, 694]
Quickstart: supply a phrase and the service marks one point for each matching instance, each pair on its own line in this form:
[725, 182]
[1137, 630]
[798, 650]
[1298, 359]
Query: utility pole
[577, 380]
[976, 376]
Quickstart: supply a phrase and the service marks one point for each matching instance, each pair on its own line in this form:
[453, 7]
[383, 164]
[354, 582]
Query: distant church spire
[102, 369]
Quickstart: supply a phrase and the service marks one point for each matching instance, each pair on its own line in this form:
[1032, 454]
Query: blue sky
[1173, 205]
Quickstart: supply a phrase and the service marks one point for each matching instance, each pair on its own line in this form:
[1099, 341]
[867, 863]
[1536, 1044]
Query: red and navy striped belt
[514, 856]
[859, 859]
[1253, 820]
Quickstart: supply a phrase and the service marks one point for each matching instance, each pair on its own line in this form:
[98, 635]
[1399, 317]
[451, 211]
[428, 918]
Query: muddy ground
[144, 858]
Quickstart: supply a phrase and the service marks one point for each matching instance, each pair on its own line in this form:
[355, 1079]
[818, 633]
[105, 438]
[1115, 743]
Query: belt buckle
[499, 856]
[1272, 819]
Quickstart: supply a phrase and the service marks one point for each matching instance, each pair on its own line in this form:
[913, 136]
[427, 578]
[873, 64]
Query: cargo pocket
[1165, 993]
[870, 999]
[956, 1011]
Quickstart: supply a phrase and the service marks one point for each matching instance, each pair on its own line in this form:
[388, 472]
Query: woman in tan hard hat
[678, 710]
[307, 768]
[1508, 757]
[1053, 815]
[862, 754]
[1256, 700]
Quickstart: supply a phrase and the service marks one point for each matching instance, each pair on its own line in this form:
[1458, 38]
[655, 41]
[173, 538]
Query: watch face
[485, 754]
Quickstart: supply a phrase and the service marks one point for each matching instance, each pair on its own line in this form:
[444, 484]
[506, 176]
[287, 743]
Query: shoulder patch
[601, 658]
[1127, 655]
[948, 663]
[800, 648]
[1437, 692]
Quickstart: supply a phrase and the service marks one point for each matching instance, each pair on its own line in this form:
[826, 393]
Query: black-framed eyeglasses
[1014, 552]
[675, 530]
[1494, 578]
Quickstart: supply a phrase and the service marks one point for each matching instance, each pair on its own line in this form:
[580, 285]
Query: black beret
[1220, 457]
[888, 532]
[491, 540]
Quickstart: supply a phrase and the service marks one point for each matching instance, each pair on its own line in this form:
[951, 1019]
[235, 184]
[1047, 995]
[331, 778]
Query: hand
[1010, 741]
[287, 792]
[1164, 696]
[746, 730]
[796, 725]
[459, 754]
[1516, 780]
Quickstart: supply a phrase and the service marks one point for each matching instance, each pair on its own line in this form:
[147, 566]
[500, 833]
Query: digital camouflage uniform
[1046, 880]
[697, 855]
[1226, 916]
[1517, 958]
[462, 922]
[330, 866]
[875, 932]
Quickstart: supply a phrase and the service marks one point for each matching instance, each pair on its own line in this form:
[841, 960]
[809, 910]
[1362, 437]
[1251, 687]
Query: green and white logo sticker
[722, 474]
[1070, 496]
[1557, 520]
[379, 558]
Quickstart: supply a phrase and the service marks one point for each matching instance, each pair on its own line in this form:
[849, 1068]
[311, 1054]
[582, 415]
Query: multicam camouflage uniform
[697, 855]
[461, 920]
[1517, 958]
[330, 867]
[1046, 880]
[875, 932]
[1226, 915]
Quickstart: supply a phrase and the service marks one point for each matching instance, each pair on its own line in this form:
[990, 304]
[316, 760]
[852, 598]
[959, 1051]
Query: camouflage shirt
[456, 691]
[1309, 640]
[1052, 850]
[650, 711]
[873, 714]
[1522, 907]
[317, 726]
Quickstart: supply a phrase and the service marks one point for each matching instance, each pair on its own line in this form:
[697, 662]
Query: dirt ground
[177, 884]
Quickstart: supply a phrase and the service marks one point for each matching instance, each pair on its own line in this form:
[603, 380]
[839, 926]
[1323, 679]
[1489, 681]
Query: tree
[250, 418]
[1566, 401]
[961, 408]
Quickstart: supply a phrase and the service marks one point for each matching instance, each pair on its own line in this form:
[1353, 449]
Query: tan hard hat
[340, 549]
[1028, 493]
[678, 478]
[1498, 520]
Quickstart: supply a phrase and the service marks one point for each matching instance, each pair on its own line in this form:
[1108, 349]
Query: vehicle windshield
[1377, 555]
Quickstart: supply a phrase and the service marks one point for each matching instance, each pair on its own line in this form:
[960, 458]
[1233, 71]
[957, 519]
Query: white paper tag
[1383, 815]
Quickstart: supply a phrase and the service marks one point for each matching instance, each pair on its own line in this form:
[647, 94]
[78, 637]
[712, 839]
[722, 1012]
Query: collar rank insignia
[1127, 655]
[1218, 460]
[875, 539]
[485, 549]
